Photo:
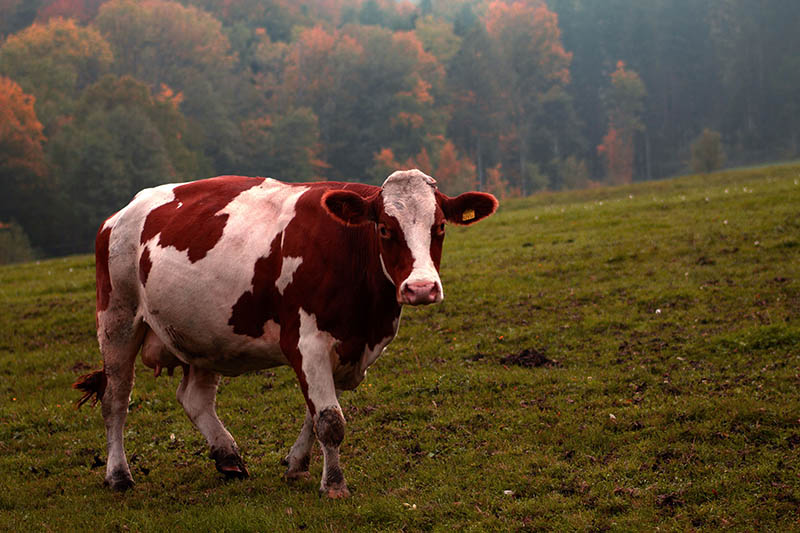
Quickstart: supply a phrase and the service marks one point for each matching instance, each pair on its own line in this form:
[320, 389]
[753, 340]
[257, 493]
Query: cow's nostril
[434, 293]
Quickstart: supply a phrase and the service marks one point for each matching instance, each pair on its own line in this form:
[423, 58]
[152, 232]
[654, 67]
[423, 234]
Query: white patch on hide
[288, 268]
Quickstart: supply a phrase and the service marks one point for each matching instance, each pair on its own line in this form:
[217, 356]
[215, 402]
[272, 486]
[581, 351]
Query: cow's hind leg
[197, 394]
[298, 458]
[120, 336]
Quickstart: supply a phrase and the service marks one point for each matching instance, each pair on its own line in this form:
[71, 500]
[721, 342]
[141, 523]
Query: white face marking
[288, 268]
[408, 196]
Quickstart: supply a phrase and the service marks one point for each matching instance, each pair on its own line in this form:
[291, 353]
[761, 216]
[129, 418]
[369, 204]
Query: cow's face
[409, 215]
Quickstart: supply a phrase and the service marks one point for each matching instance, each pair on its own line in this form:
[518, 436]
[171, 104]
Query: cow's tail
[92, 385]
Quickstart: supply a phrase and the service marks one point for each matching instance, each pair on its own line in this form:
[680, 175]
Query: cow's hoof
[336, 493]
[120, 481]
[297, 475]
[297, 469]
[230, 464]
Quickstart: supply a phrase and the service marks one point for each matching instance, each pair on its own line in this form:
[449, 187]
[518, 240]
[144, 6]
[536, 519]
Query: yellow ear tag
[469, 214]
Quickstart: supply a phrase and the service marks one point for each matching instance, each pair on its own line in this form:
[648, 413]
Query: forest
[102, 98]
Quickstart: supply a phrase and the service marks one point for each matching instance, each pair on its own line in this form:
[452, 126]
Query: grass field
[669, 312]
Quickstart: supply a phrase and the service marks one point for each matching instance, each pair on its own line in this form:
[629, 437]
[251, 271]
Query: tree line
[101, 98]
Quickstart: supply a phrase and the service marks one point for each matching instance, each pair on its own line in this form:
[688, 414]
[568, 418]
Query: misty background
[100, 99]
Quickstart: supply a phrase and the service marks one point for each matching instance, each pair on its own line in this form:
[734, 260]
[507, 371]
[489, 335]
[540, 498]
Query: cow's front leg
[310, 354]
[329, 425]
[197, 394]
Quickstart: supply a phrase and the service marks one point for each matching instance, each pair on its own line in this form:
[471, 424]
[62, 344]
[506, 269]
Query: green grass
[672, 308]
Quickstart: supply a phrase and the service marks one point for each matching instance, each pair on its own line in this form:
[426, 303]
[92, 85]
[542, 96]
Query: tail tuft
[92, 384]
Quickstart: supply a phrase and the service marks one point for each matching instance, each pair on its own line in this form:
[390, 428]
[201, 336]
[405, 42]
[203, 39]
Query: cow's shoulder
[337, 276]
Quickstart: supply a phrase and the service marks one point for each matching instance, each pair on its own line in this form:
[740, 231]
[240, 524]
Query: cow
[234, 274]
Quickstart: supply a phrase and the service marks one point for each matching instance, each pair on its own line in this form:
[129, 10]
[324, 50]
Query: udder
[157, 356]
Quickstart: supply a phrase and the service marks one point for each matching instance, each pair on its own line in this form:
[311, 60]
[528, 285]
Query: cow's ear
[349, 208]
[467, 208]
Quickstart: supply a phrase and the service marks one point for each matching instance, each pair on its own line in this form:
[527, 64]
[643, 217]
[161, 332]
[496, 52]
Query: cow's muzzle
[420, 293]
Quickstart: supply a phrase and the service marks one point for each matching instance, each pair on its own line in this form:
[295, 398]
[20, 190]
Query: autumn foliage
[528, 33]
[624, 107]
[23, 170]
[511, 96]
[454, 174]
[617, 151]
[80, 10]
[21, 133]
[534, 70]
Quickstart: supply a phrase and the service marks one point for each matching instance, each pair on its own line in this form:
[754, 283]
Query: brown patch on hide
[190, 222]
[257, 306]
[145, 264]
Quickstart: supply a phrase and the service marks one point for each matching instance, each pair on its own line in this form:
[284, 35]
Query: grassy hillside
[669, 313]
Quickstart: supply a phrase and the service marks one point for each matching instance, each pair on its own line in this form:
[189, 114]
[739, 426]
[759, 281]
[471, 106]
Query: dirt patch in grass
[672, 499]
[529, 358]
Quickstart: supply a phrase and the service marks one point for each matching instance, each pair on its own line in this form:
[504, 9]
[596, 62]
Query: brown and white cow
[233, 274]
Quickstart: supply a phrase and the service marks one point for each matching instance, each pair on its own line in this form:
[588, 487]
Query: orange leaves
[173, 37]
[408, 120]
[530, 27]
[496, 185]
[62, 39]
[449, 166]
[21, 133]
[168, 96]
[422, 161]
[385, 157]
[426, 67]
[315, 64]
[421, 91]
[532, 70]
[624, 105]
[455, 175]
[81, 10]
[617, 150]
[54, 61]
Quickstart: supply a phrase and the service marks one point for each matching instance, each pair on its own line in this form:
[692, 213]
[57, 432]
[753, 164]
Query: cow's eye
[384, 231]
[439, 230]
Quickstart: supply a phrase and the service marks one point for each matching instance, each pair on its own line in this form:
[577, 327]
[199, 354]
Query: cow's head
[409, 215]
